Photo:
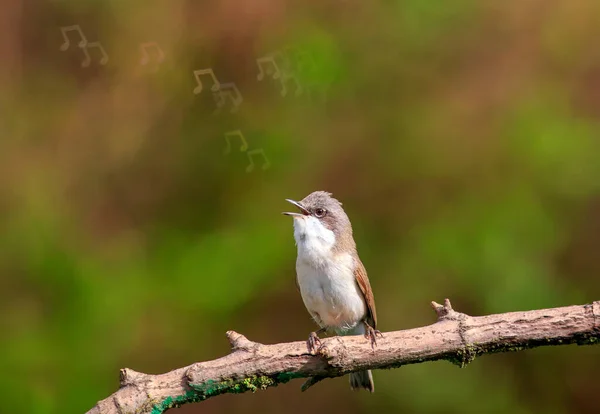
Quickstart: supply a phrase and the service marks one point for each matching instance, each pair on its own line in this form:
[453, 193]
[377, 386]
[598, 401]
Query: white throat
[314, 240]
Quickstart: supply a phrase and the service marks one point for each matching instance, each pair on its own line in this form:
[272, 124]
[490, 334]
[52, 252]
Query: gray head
[329, 212]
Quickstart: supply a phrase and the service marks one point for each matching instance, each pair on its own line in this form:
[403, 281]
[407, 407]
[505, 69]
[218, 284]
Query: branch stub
[128, 376]
[239, 341]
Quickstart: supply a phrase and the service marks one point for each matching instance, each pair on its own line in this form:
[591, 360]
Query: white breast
[326, 278]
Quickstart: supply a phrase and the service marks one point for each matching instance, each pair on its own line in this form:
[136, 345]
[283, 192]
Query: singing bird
[330, 276]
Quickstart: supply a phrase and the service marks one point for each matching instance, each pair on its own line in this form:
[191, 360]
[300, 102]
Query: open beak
[303, 211]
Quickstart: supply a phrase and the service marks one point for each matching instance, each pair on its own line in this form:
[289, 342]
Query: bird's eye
[320, 212]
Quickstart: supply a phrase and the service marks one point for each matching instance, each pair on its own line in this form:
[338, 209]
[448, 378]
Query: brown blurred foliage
[461, 137]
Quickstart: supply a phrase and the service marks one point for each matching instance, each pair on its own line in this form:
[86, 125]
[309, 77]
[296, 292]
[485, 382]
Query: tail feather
[362, 379]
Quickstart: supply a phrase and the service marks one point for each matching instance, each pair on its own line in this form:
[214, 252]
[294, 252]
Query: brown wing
[363, 282]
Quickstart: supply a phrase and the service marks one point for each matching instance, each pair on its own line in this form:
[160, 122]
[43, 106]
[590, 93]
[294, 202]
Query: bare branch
[250, 366]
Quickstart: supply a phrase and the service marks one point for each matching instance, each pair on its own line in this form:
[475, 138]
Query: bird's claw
[313, 343]
[372, 334]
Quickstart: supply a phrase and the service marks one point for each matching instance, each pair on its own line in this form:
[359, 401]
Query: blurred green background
[462, 138]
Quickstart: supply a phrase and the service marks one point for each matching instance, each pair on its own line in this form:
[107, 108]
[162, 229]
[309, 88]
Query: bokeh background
[462, 137]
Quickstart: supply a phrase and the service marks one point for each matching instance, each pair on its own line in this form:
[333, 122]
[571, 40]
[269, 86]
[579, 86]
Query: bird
[331, 278]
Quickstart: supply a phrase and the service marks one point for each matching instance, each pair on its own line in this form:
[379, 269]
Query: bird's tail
[362, 379]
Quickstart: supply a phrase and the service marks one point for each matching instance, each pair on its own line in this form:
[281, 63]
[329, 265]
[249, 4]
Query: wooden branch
[250, 366]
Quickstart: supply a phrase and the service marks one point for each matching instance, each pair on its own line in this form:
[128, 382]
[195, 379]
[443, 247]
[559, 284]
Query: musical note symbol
[200, 72]
[67, 42]
[266, 163]
[233, 134]
[286, 76]
[228, 90]
[283, 71]
[88, 59]
[146, 47]
[269, 61]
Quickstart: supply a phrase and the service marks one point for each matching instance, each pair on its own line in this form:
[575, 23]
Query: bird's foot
[372, 334]
[313, 343]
